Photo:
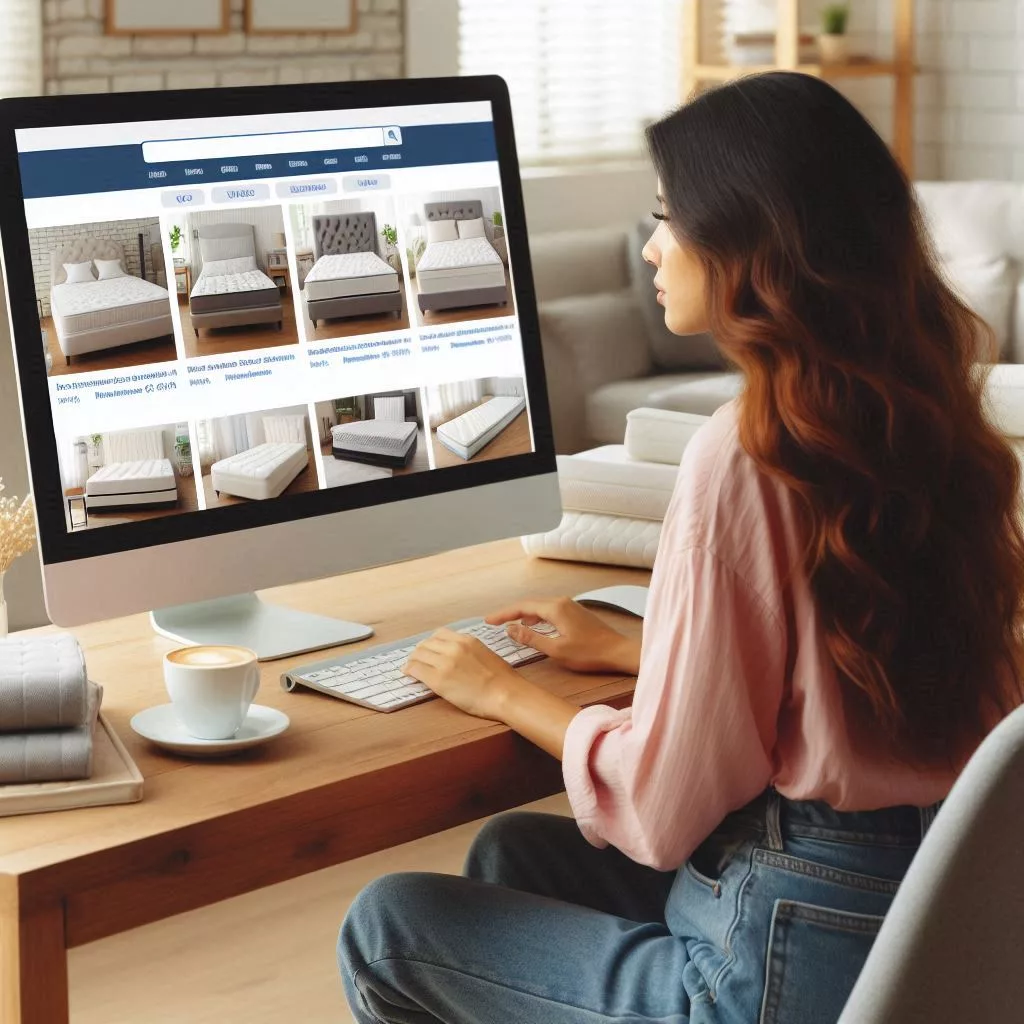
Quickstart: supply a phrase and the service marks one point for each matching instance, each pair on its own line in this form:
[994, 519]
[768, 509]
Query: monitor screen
[227, 320]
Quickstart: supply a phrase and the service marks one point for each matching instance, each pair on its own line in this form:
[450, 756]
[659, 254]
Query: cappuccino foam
[211, 656]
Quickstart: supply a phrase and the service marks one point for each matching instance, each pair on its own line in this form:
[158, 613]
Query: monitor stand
[271, 630]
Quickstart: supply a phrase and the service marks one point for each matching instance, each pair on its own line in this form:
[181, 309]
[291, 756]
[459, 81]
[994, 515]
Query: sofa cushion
[668, 351]
[608, 406]
[578, 262]
[702, 394]
[988, 287]
[1004, 398]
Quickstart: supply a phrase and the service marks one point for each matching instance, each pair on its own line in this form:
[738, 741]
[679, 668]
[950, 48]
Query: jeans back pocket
[814, 957]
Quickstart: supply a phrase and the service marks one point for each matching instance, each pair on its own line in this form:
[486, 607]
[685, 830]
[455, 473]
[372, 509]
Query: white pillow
[442, 231]
[472, 228]
[109, 268]
[285, 429]
[79, 273]
[237, 265]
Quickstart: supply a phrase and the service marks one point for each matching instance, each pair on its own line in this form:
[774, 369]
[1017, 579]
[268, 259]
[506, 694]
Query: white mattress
[455, 266]
[380, 437]
[467, 434]
[135, 477]
[589, 537]
[228, 284]
[607, 481]
[660, 435]
[339, 275]
[94, 305]
[260, 472]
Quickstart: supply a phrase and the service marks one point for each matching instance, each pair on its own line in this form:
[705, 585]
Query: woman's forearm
[537, 715]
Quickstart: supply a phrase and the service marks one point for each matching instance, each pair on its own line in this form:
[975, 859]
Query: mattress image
[95, 305]
[261, 472]
[466, 263]
[139, 482]
[467, 434]
[384, 442]
[340, 275]
[249, 289]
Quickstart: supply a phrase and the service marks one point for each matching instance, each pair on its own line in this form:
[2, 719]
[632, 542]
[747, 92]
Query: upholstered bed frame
[235, 240]
[348, 232]
[463, 209]
[114, 336]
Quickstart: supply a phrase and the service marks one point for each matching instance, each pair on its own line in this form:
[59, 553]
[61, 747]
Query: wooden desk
[341, 783]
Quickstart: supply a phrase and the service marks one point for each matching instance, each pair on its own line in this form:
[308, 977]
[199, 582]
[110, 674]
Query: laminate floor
[513, 440]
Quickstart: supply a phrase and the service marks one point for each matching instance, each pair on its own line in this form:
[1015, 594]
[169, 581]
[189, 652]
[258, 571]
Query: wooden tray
[115, 780]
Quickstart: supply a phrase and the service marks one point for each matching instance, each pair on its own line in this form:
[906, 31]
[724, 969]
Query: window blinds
[21, 65]
[584, 76]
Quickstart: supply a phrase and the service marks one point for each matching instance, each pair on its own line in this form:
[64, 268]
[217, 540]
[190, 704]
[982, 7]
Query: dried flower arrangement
[17, 535]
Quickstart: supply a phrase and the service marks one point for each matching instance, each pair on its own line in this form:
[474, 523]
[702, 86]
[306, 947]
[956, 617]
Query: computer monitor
[265, 335]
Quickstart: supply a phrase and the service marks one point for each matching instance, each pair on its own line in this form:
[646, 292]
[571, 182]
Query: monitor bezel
[57, 543]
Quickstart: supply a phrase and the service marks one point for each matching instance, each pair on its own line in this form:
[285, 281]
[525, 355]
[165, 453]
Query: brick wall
[43, 241]
[78, 57]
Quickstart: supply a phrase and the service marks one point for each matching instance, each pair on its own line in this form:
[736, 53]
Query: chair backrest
[950, 946]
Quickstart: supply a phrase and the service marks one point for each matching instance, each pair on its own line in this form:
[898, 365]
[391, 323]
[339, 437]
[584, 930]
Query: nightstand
[183, 279]
[76, 494]
[277, 268]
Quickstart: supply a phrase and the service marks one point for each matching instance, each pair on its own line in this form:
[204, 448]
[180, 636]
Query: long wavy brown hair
[862, 395]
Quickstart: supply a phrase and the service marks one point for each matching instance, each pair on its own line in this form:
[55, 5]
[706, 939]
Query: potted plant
[183, 450]
[414, 252]
[832, 41]
[95, 451]
[496, 220]
[390, 236]
[175, 237]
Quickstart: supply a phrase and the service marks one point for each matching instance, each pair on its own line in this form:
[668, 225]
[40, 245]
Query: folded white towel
[607, 481]
[660, 435]
[588, 537]
[43, 683]
[54, 755]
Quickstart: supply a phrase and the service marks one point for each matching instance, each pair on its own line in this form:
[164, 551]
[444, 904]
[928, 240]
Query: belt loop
[928, 816]
[773, 820]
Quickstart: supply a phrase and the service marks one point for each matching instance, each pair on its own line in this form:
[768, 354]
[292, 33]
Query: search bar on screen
[222, 147]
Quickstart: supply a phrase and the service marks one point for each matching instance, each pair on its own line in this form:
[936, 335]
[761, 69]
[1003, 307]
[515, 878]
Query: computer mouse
[627, 598]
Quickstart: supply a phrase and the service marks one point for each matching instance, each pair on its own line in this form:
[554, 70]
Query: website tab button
[309, 187]
[183, 198]
[366, 182]
[240, 193]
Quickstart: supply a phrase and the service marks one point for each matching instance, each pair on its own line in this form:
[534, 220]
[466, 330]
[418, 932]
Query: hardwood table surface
[342, 782]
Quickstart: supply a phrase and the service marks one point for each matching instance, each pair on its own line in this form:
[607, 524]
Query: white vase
[3, 609]
[833, 48]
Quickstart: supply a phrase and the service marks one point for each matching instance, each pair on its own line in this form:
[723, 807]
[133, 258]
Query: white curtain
[505, 386]
[75, 465]
[217, 439]
[584, 77]
[447, 401]
[21, 50]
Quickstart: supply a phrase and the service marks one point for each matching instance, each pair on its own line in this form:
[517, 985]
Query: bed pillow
[389, 407]
[108, 269]
[442, 231]
[237, 265]
[79, 273]
[472, 228]
[285, 429]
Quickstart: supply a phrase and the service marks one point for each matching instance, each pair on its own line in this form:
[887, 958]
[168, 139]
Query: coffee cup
[211, 687]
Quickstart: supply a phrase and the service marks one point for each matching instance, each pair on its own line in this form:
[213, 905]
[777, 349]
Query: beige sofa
[607, 351]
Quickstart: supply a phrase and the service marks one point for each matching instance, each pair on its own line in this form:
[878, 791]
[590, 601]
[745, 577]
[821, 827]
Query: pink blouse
[736, 690]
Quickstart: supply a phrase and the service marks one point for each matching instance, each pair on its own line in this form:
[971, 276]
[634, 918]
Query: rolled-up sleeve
[655, 779]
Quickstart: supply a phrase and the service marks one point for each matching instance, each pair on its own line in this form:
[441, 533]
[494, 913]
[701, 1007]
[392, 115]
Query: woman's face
[679, 278]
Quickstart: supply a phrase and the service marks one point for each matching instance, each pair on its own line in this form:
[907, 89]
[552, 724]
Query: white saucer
[160, 725]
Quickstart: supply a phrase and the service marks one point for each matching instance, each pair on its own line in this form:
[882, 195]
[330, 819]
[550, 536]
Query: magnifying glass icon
[393, 135]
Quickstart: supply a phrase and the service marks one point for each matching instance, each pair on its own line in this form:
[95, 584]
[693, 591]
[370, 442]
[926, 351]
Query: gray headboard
[459, 209]
[226, 241]
[344, 232]
[81, 250]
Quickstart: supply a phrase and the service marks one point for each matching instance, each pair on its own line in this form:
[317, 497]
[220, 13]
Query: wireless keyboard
[373, 677]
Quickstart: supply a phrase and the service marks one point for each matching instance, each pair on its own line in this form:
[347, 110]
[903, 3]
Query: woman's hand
[584, 643]
[465, 672]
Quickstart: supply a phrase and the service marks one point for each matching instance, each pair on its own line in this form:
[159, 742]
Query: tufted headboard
[459, 209]
[344, 232]
[226, 241]
[81, 250]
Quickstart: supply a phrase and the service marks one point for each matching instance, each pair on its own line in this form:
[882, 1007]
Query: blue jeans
[770, 921]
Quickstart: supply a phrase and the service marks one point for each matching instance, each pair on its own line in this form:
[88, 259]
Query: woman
[833, 624]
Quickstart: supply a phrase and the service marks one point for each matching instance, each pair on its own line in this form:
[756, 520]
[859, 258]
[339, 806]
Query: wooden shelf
[901, 68]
